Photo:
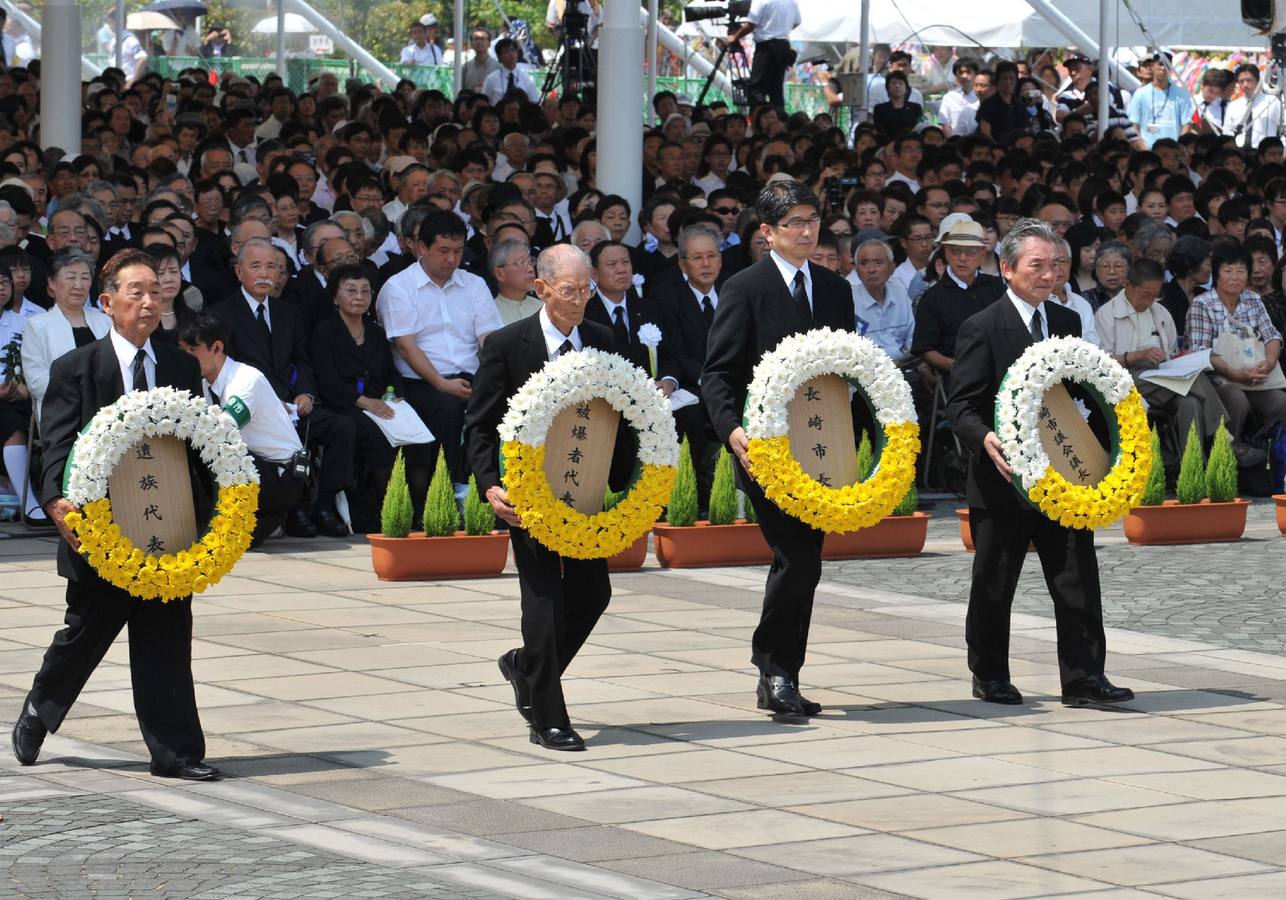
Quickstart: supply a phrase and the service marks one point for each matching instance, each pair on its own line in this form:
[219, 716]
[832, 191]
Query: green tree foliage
[723, 492]
[479, 516]
[909, 502]
[395, 514]
[1154, 490]
[865, 458]
[441, 515]
[748, 510]
[682, 509]
[1221, 469]
[1192, 471]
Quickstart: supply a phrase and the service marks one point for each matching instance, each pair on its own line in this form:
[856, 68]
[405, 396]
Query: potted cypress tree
[723, 540]
[901, 534]
[442, 550]
[1206, 509]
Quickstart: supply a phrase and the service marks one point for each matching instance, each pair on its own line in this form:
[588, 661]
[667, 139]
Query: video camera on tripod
[733, 11]
[730, 53]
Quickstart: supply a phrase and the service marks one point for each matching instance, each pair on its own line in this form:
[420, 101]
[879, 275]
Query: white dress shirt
[248, 150]
[1026, 311]
[428, 55]
[448, 322]
[959, 111]
[497, 84]
[125, 354]
[1079, 305]
[891, 324]
[245, 394]
[904, 273]
[773, 19]
[788, 271]
[1260, 121]
[555, 338]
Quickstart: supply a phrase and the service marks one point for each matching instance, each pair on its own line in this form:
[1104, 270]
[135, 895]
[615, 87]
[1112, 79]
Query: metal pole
[281, 40]
[1079, 39]
[864, 62]
[672, 42]
[458, 60]
[32, 27]
[60, 76]
[344, 42]
[652, 10]
[620, 104]
[1103, 60]
[120, 31]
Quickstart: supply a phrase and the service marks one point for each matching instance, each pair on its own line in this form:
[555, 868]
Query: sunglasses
[724, 210]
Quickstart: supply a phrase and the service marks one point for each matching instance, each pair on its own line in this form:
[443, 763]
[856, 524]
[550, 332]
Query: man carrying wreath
[160, 634]
[1002, 521]
[781, 295]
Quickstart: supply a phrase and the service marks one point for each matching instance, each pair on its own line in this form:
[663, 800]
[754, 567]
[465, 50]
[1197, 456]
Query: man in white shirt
[1255, 114]
[550, 191]
[412, 181]
[420, 52]
[283, 107]
[880, 302]
[437, 315]
[959, 107]
[907, 153]
[772, 21]
[245, 394]
[510, 76]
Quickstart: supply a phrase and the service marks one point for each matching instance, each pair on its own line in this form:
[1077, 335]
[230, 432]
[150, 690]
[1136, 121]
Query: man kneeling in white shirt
[244, 393]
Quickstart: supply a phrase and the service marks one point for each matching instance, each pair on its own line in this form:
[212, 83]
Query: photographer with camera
[218, 42]
[772, 21]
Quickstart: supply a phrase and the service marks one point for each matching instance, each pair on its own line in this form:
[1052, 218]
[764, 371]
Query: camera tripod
[576, 65]
[732, 56]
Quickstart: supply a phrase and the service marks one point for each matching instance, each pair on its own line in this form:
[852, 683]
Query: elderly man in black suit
[562, 598]
[1002, 521]
[781, 295]
[272, 336]
[617, 305]
[81, 383]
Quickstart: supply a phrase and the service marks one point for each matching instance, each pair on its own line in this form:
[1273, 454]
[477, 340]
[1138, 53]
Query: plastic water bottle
[389, 394]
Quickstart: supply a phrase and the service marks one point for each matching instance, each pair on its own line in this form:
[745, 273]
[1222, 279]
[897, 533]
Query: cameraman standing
[772, 21]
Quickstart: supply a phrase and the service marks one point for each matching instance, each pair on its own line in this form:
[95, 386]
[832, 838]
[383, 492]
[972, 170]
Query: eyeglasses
[919, 238]
[798, 224]
[571, 291]
[725, 210]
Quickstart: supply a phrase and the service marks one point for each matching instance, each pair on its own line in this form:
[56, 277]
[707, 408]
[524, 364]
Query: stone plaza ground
[371, 749]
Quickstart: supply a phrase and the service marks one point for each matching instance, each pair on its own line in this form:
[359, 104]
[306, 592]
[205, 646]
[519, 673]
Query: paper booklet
[406, 426]
[1178, 374]
[679, 399]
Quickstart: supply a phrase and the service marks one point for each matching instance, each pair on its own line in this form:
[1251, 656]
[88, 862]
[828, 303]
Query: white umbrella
[295, 24]
[148, 20]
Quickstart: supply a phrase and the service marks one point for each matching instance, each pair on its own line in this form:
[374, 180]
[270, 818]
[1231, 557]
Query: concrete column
[652, 12]
[281, 40]
[1104, 58]
[620, 104]
[120, 32]
[60, 76]
[457, 64]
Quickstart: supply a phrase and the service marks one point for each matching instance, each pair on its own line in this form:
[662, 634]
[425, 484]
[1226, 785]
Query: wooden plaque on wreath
[820, 422]
[151, 494]
[578, 454]
[1073, 450]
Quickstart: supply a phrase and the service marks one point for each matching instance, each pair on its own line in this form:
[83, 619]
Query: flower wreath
[778, 376]
[1018, 408]
[165, 411]
[577, 378]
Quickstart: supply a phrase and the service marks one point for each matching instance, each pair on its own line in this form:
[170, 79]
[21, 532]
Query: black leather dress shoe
[28, 735]
[298, 524]
[187, 771]
[508, 663]
[1094, 689]
[557, 738]
[331, 525]
[781, 695]
[996, 691]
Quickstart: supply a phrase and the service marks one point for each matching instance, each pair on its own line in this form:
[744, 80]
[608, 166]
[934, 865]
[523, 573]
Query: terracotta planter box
[630, 558]
[703, 544]
[891, 536]
[420, 558]
[1280, 500]
[1187, 523]
[966, 533]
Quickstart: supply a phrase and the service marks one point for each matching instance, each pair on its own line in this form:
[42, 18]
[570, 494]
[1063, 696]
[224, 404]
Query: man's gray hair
[98, 186]
[591, 225]
[1024, 230]
[255, 243]
[557, 259]
[696, 231]
[874, 242]
[1151, 231]
[445, 173]
[308, 242]
[368, 228]
[408, 226]
[505, 252]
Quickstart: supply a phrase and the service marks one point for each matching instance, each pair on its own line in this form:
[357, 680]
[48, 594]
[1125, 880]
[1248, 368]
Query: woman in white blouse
[15, 399]
[70, 324]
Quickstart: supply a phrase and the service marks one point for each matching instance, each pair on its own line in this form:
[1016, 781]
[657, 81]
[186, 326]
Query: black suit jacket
[81, 382]
[284, 359]
[989, 343]
[638, 311]
[509, 357]
[684, 337]
[755, 312]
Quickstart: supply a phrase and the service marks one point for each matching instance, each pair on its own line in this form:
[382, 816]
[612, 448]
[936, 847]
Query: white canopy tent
[1198, 24]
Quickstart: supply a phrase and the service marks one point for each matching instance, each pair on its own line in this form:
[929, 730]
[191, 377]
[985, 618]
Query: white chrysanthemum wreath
[569, 380]
[1018, 425]
[859, 360]
[162, 412]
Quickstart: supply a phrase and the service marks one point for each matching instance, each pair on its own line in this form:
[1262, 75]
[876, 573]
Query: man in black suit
[781, 295]
[562, 598]
[686, 312]
[1003, 522]
[616, 305]
[160, 634]
[273, 337]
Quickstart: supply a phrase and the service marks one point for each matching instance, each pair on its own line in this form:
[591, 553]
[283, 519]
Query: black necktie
[1037, 332]
[800, 295]
[620, 334]
[564, 347]
[242, 154]
[707, 311]
[510, 89]
[140, 371]
[262, 316]
[214, 398]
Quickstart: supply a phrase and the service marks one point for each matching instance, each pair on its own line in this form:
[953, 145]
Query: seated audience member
[957, 295]
[1188, 263]
[883, 309]
[515, 274]
[173, 310]
[1065, 296]
[1111, 262]
[15, 397]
